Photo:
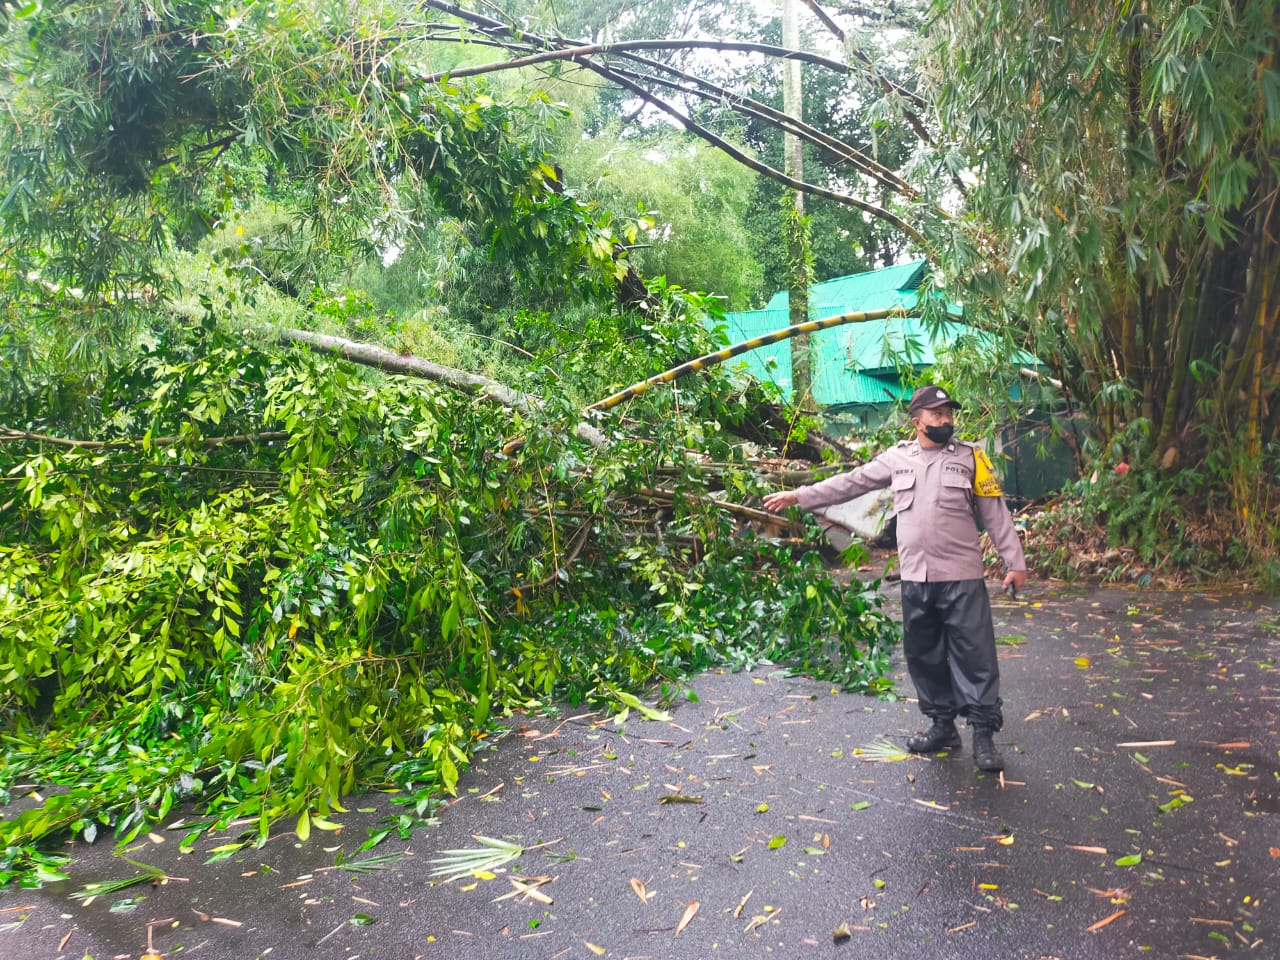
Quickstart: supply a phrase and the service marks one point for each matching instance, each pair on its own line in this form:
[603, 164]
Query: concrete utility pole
[797, 238]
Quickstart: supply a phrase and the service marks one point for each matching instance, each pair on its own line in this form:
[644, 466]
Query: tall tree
[119, 115]
[1124, 171]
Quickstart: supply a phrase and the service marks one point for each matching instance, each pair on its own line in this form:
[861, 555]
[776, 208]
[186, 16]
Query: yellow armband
[985, 482]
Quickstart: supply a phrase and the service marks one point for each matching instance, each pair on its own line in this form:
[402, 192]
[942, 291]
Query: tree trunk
[797, 246]
[383, 359]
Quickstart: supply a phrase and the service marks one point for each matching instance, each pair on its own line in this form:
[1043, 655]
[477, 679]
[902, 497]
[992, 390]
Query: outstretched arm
[874, 475]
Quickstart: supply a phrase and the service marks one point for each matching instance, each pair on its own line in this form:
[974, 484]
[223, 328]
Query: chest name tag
[985, 482]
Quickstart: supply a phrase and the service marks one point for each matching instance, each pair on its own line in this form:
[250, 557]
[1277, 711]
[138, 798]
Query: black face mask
[940, 434]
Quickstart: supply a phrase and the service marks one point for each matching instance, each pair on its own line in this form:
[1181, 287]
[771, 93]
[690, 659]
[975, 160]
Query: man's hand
[1017, 579]
[777, 502]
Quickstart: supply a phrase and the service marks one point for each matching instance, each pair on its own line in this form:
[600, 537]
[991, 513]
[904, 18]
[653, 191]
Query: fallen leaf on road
[1105, 920]
[841, 932]
[641, 892]
[757, 921]
[598, 951]
[1115, 893]
[881, 751]
[931, 804]
[526, 888]
[689, 913]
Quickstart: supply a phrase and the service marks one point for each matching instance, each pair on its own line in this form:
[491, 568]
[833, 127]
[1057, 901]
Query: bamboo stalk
[728, 353]
[735, 508]
[1255, 391]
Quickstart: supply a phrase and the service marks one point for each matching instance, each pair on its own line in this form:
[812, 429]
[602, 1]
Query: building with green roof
[859, 368]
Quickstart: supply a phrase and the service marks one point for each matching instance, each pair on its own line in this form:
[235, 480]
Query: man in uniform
[940, 485]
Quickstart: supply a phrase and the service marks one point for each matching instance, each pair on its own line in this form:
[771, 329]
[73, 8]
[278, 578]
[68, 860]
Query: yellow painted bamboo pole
[728, 353]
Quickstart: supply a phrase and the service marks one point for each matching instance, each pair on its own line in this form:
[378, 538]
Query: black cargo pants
[950, 645]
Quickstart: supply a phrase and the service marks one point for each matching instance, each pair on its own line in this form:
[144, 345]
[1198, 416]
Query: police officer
[940, 485]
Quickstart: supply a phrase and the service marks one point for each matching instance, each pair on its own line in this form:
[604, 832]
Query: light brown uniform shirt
[936, 507]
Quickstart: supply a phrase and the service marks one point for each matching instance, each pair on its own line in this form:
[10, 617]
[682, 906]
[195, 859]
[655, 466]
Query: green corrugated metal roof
[858, 363]
[874, 290]
[888, 344]
[869, 389]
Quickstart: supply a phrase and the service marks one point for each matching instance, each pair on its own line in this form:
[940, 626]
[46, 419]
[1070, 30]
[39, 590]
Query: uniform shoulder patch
[985, 481]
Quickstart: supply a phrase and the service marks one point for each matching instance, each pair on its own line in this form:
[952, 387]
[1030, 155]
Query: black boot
[985, 754]
[943, 735]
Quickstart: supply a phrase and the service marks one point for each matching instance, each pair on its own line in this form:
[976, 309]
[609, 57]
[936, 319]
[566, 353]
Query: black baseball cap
[928, 397]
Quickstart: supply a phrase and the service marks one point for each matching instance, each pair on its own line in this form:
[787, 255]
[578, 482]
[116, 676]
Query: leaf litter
[883, 750]
[689, 912]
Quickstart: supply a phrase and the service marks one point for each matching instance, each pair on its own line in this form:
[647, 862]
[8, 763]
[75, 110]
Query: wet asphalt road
[1139, 816]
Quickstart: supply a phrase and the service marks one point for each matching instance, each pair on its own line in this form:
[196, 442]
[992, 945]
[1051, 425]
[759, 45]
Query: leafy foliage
[696, 236]
[270, 579]
[125, 142]
[1133, 522]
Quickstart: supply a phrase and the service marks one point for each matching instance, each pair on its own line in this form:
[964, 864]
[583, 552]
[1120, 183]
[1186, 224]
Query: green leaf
[634, 703]
[224, 852]
[370, 864]
[1130, 861]
[103, 887]
[777, 842]
[375, 838]
[453, 864]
